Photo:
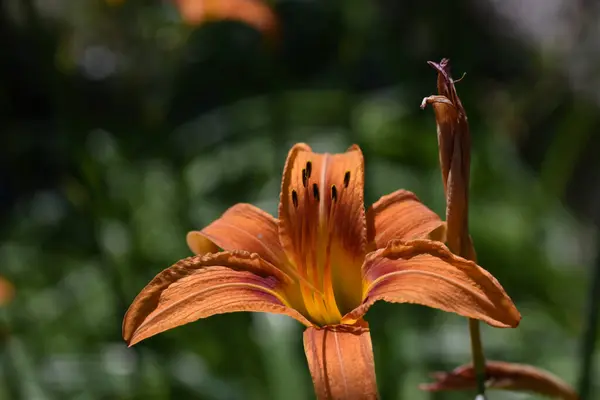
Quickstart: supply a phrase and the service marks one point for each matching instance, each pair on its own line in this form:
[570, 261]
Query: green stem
[478, 356]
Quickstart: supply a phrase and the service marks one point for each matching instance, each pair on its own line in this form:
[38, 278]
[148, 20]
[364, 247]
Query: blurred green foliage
[123, 129]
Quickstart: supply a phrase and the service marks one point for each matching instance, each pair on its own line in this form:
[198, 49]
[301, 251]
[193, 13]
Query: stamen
[308, 169]
[333, 193]
[346, 179]
[304, 178]
[316, 191]
[295, 198]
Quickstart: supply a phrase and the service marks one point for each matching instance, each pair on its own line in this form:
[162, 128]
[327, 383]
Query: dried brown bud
[454, 142]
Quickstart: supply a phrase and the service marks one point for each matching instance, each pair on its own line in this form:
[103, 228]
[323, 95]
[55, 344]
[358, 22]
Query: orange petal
[253, 12]
[201, 286]
[401, 215]
[341, 363]
[427, 273]
[322, 227]
[7, 291]
[242, 227]
[507, 376]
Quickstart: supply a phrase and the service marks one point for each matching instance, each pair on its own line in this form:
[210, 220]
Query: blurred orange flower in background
[252, 12]
[255, 13]
[7, 291]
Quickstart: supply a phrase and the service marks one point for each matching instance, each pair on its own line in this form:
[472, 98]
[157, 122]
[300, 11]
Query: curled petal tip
[437, 67]
[517, 317]
[443, 67]
[199, 244]
[436, 99]
[443, 64]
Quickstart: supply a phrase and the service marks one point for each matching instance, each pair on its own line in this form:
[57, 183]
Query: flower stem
[478, 356]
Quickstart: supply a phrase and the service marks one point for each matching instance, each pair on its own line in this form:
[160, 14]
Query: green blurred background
[123, 127]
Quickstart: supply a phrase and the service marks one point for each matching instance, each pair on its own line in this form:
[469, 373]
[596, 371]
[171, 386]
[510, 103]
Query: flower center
[325, 295]
[322, 228]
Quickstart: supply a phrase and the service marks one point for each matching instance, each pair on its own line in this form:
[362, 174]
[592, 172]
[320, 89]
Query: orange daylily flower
[506, 376]
[324, 262]
[252, 12]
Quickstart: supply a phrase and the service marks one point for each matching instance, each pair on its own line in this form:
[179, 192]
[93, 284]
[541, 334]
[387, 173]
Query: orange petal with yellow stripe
[202, 286]
[425, 272]
[241, 227]
[506, 376]
[340, 359]
[401, 215]
[322, 227]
